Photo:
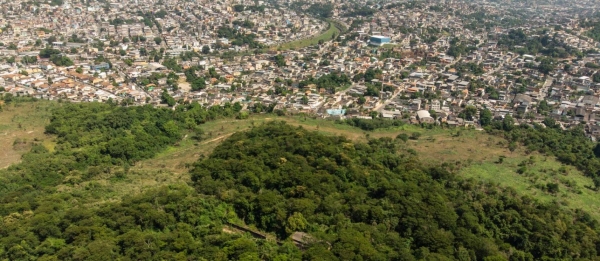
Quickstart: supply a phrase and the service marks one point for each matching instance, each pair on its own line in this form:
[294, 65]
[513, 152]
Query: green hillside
[142, 183]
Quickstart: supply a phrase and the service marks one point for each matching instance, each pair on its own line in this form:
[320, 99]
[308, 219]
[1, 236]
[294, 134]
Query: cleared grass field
[533, 175]
[23, 122]
[434, 145]
[325, 36]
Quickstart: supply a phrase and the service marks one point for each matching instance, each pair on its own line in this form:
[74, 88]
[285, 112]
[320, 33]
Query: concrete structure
[424, 117]
[379, 40]
[100, 66]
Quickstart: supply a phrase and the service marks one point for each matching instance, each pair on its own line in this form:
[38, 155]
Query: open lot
[21, 124]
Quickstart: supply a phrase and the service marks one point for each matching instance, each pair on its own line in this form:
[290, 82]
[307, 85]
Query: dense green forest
[368, 202]
[171, 223]
[39, 222]
[357, 201]
[93, 139]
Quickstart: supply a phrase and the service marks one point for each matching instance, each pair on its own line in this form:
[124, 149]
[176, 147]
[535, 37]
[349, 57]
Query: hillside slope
[21, 123]
[363, 201]
[370, 195]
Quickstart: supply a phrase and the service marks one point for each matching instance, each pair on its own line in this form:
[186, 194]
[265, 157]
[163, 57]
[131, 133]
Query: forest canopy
[355, 200]
[365, 201]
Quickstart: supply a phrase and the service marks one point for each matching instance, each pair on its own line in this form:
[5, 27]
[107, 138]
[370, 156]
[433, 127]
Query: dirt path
[217, 138]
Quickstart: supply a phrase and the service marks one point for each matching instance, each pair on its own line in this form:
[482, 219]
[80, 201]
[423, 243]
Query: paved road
[546, 87]
[381, 106]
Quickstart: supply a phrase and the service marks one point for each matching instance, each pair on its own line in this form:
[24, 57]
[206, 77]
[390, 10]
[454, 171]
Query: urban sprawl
[433, 62]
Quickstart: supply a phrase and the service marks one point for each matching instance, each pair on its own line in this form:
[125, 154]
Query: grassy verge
[325, 36]
[389, 46]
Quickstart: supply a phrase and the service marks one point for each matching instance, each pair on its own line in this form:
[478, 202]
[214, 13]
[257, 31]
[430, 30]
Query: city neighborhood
[443, 63]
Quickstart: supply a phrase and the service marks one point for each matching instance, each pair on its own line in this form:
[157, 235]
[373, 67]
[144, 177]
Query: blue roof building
[336, 112]
[100, 66]
[379, 40]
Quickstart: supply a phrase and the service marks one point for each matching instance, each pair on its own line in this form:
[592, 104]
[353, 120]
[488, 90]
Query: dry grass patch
[20, 125]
